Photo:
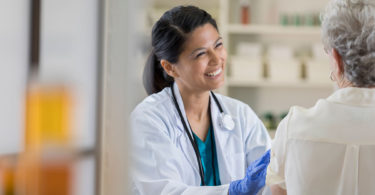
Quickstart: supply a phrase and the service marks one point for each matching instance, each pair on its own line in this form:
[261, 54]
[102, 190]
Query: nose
[215, 57]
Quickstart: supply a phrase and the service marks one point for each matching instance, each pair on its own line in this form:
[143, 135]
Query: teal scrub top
[209, 160]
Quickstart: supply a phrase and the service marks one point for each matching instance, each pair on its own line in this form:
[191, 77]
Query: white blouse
[329, 148]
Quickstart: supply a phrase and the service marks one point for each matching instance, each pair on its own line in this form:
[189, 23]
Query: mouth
[214, 73]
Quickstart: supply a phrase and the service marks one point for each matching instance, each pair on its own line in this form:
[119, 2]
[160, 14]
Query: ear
[169, 68]
[338, 63]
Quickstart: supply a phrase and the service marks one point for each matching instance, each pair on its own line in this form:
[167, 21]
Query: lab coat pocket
[236, 165]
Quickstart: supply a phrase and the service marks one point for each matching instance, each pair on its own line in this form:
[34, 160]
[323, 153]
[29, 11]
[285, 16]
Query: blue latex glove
[255, 177]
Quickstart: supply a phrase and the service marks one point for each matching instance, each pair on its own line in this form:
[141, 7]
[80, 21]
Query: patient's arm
[277, 190]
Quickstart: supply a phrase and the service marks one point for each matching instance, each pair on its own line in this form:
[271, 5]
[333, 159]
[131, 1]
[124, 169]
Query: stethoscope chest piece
[226, 121]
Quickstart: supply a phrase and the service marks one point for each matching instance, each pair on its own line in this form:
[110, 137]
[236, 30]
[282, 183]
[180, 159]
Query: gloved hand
[255, 177]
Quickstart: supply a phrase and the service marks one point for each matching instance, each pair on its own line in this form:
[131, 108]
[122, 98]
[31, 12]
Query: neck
[195, 103]
[343, 83]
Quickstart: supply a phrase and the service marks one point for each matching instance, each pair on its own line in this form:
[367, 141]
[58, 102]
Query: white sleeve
[156, 165]
[257, 139]
[276, 168]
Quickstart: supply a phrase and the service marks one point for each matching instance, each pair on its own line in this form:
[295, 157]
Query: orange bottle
[245, 12]
[46, 166]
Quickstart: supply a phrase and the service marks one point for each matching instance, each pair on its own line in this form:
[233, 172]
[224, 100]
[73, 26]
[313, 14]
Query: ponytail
[155, 78]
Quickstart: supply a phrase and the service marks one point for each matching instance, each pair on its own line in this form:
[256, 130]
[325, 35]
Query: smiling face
[201, 65]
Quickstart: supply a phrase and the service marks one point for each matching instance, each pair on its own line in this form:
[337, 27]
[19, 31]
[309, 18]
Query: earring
[330, 76]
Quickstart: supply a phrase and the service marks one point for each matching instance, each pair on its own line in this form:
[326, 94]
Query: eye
[200, 54]
[219, 44]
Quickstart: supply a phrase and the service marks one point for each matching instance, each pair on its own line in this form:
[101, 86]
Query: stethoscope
[225, 121]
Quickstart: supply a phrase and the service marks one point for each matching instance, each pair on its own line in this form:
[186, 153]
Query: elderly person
[330, 148]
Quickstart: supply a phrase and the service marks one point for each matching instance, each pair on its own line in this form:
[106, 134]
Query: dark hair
[168, 38]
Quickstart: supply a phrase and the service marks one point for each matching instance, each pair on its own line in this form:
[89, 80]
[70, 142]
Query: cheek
[193, 70]
[223, 54]
[181, 70]
[200, 67]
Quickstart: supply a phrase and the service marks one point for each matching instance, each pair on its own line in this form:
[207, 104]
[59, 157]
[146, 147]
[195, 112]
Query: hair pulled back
[169, 35]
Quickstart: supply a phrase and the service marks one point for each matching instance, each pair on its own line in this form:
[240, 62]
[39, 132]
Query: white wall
[69, 55]
[14, 43]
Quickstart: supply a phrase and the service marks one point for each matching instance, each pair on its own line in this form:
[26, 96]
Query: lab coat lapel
[182, 108]
[186, 145]
[221, 137]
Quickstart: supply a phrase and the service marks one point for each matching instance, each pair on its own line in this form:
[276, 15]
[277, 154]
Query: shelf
[302, 84]
[79, 152]
[207, 4]
[274, 30]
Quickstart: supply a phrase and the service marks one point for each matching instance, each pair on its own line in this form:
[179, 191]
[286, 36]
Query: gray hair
[349, 27]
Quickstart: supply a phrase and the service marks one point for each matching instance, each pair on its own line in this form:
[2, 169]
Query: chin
[217, 85]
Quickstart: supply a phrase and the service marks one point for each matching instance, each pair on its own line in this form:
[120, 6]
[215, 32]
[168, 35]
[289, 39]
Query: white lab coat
[164, 161]
[329, 148]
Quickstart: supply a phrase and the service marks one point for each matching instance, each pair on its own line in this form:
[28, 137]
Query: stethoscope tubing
[192, 140]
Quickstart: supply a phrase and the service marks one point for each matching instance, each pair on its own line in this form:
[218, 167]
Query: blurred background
[71, 74]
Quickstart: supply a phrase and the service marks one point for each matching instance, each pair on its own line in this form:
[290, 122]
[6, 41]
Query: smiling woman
[188, 136]
[175, 44]
[200, 66]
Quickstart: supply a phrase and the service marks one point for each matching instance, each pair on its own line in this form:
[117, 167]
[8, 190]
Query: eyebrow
[195, 50]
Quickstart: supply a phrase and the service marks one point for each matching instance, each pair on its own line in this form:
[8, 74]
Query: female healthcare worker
[187, 139]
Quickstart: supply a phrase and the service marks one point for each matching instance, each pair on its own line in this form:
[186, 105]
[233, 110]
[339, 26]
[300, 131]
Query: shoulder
[304, 122]
[154, 102]
[154, 108]
[298, 113]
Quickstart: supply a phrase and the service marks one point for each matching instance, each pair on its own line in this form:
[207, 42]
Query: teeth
[212, 74]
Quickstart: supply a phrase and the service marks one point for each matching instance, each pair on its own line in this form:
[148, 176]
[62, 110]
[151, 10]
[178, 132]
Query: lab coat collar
[215, 112]
[185, 142]
[354, 96]
[182, 108]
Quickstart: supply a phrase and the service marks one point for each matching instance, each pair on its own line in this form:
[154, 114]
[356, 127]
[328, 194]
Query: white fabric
[164, 161]
[329, 148]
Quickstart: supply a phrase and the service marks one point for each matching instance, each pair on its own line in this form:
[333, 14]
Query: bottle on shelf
[46, 165]
[245, 11]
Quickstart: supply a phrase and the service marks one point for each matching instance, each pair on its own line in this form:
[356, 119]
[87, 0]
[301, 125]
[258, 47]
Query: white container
[283, 67]
[249, 49]
[280, 51]
[285, 70]
[246, 68]
[317, 71]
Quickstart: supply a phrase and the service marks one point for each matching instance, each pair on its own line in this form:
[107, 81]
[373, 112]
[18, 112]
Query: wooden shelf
[274, 30]
[265, 83]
